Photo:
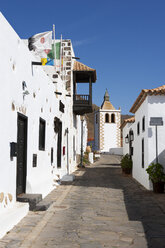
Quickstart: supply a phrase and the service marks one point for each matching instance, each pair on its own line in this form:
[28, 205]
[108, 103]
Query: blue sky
[124, 40]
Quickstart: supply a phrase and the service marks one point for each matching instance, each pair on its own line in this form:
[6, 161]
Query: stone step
[43, 205]
[32, 199]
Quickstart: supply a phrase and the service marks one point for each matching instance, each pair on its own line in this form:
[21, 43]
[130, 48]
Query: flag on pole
[61, 58]
[49, 56]
[40, 42]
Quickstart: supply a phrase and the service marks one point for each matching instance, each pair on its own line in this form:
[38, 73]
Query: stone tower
[107, 126]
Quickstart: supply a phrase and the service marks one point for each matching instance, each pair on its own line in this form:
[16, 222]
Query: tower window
[112, 118]
[96, 119]
[107, 118]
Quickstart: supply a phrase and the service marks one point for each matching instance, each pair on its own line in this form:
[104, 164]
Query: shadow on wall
[159, 99]
[161, 158]
[141, 207]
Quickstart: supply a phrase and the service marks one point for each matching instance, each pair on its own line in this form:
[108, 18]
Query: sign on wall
[156, 121]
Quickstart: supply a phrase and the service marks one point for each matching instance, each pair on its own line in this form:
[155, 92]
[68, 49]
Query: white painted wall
[110, 139]
[126, 130]
[153, 106]
[107, 132]
[96, 131]
[41, 102]
[140, 173]
[156, 107]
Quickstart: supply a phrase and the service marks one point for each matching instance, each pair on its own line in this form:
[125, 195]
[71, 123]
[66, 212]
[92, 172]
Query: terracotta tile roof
[129, 120]
[81, 67]
[142, 96]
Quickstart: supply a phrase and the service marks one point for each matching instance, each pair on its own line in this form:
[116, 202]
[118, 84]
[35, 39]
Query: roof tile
[142, 96]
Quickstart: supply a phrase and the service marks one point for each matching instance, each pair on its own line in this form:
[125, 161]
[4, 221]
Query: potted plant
[157, 176]
[126, 164]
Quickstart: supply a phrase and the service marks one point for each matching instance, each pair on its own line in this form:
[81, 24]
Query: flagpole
[61, 56]
[54, 41]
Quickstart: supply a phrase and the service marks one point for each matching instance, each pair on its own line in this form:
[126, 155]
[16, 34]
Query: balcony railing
[82, 99]
[82, 104]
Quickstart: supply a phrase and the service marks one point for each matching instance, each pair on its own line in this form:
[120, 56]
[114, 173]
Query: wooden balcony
[82, 74]
[82, 104]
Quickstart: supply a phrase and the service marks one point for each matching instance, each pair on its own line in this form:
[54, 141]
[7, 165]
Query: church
[107, 121]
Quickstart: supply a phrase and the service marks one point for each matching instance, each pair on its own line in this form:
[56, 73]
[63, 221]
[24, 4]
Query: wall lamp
[127, 139]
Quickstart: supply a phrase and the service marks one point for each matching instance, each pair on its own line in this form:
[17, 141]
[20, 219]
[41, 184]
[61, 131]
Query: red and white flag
[40, 42]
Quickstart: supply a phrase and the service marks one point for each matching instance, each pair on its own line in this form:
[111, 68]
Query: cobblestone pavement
[102, 208]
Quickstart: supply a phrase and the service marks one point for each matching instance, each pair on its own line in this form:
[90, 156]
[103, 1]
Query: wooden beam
[90, 90]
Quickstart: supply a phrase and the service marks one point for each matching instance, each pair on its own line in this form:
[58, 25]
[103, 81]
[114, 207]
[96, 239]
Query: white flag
[41, 41]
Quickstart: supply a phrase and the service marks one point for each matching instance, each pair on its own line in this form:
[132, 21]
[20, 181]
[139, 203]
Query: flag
[40, 42]
[49, 55]
[47, 61]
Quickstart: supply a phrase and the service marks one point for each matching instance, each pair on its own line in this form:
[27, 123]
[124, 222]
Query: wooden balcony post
[90, 90]
[74, 86]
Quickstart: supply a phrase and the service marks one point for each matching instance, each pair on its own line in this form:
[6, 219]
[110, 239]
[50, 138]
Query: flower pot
[158, 187]
[127, 170]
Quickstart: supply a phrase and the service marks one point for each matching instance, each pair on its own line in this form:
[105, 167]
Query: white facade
[152, 106]
[107, 127]
[31, 97]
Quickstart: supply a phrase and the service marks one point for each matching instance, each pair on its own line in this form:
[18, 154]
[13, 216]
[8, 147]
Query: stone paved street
[102, 208]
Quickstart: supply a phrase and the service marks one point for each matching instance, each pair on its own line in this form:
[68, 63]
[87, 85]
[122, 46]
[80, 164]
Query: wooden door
[21, 153]
[59, 144]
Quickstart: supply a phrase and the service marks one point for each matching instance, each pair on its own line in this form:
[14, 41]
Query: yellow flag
[44, 61]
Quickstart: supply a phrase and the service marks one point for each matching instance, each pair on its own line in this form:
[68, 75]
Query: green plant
[85, 158]
[156, 172]
[126, 162]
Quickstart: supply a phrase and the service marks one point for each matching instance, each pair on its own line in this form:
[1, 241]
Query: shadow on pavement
[140, 203]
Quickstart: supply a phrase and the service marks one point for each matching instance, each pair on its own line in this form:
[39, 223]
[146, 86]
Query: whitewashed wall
[156, 108]
[153, 106]
[85, 135]
[41, 102]
[109, 132]
[126, 130]
[96, 131]
[140, 173]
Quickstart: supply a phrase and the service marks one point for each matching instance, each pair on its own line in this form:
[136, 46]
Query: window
[41, 134]
[96, 119]
[138, 128]
[143, 153]
[51, 155]
[61, 106]
[107, 118]
[112, 118]
[143, 124]
[34, 160]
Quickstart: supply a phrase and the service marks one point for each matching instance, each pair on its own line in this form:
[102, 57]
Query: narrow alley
[101, 208]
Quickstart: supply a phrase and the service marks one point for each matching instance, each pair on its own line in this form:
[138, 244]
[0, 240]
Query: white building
[149, 103]
[126, 127]
[40, 130]
[107, 127]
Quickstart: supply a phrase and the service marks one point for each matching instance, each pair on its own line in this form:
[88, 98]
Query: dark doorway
[21, 153]
[59, 143]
